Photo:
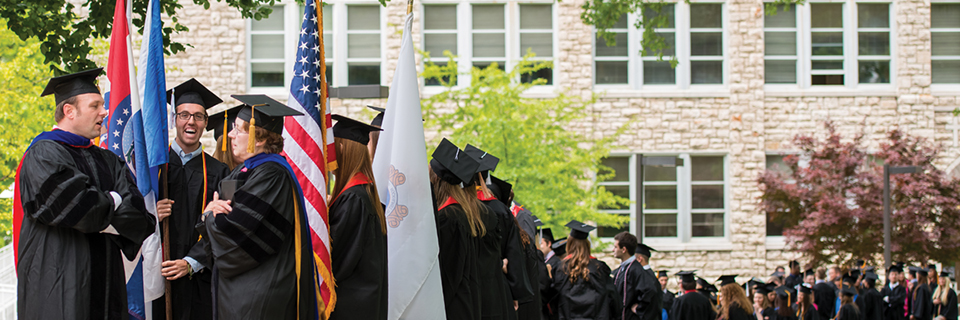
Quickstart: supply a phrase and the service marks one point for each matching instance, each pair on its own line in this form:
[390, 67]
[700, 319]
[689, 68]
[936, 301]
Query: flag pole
[409, 6]
[167, 289]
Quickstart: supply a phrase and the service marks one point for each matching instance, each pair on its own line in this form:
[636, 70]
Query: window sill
[945, 89]
[839, 91]
[270, 91]
[536, 92]
[696, 244]
[718, 91]
[776, 242]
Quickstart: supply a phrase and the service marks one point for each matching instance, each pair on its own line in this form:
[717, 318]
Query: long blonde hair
[353, 158]
[466, 197]
[225, 156]
[943, 290]
[578, 251]
[734, 297]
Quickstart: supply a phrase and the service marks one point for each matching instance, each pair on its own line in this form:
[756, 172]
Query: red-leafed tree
[831, 204]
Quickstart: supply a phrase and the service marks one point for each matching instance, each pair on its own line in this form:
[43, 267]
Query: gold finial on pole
[409, 6]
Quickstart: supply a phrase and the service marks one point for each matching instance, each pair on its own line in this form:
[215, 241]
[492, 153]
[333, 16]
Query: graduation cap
[755, 282]
[860, 264]
[377, 120]
[547, 234]
[221, 123]
[794, 263]
[923, 272]
[849, 279]
[895, 268]
[262, 111]
[500, 189]
[727, 279]
[645, 250]
[703, 283]
[192, 91]
[778, 274]
[452, 164]
[487, 161]
[871, 276]
[765, 289]
[944, 274]
[579, 230]
[855, 273]
[662, 273]
[809, 272]
[536, 221]
[686, 276]
[351, 129]
[806, 288]
[559, 247]
[848, 291]
[787, 293]
[870, 269]
[932, 266]
[913, 270]
[67, 86]
[901, 264]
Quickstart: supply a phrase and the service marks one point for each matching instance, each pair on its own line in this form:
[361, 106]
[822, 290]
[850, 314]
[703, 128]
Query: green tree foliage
[550, 165]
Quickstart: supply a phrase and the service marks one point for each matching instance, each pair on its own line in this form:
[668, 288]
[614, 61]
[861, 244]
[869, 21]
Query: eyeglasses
[185, 116]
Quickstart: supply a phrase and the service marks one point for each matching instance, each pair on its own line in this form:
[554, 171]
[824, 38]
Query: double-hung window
[945, 42]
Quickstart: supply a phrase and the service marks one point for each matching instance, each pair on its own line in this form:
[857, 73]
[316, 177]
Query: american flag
[311, 153]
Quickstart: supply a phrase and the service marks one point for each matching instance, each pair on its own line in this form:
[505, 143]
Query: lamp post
[645, 161]
[887, 171]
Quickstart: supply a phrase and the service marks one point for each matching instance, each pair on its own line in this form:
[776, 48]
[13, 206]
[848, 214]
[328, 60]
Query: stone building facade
[894, 64]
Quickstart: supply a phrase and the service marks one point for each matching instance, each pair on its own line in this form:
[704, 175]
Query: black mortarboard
[703, 283]
[727, 279]
[794, 263]
[848, 291]
[378, 120]
[579, 230]
[66, 86]
[452, 164]
[805, 288]
[777, 274]
[487, 161]
[501, 190]
[645, 250]
[262, 111]
[764, 289]
[192, 91]
[901, 264]
[351, 129]
[895, 268]
[755, 282]
[809, 272]
[547, 234]
[913, 270]
[870, 269]
[849, 279]
[860, 263]
[686, 276]
[662, 273]
[222, 122]
[786, 293]
[932, 266]
[871, 276]
[559, 247]
[536, 221]
[923, 272]
[855, 273]
[944, 274]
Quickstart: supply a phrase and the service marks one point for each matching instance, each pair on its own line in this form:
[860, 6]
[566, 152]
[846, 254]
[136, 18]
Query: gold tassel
[253, 131]
[224, 136]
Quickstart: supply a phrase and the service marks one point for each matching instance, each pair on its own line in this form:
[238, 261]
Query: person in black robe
[192, 176]
[804, 308]
[530, 308]
[933, 280]
[638, 287]
[783, 306]
[922, 298]
[735, 305]
[795, 277]
[707, 290]
[358, 228]
[668, 296]
[824, 296]
[257, 233]
[872, 299]
[894, 294]
[525, 218]
[848, 309]
[458, 227]
[554, 251]
[945, 299]
[76, 210]
[582, 283]
[691, 305]
[762, 307]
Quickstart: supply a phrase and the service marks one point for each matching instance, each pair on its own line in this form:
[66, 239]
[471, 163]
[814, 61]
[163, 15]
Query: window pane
[536, 16]
[774, 228]
[660, 197]
[621, 23]
[364, 74]
[272, 23]
[826, 15]
[266, 74]
[327, 17]
[488, 45]
[873, 15]
[945, 15]
[329, 73]
[827, 43]
[488, 16]
[780, 71]
[545, 73]
[363, 46]
[707, 197]
[436, 43]
[618, 50]
[669, 41]
[608, 231]
[829, 80]
[620, 167]
[775, 163]
[433, 81]
[484, 65]
[665, 11]
[874, 71]
[706, 168]
[707, 224]
[658, 72]
[706, 72]
[540, 43]
[946, 71]
[266, 46]
[620, 191]
[442, 17]
[706, 15]
[785, 18]
[706, 44]
[780, 43]
[827, 64]
[945, 43]
[363, 17]
[651, 173]
[328, 45]
[874, 43]
[612, 72]
[659, 225]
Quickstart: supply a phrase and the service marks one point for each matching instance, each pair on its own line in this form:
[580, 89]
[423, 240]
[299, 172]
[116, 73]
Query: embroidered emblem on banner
[396, 211]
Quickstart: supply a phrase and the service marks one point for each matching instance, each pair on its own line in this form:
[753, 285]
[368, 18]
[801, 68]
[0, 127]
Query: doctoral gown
[693, 306]
[638, 286]
[893, 305]
[948, 309]
[848, 312]
[922, 303]
[529, 309]
[872, 304]
[253, 246]
[67, 268]
[459, 276]
[824, 296]
[191, 295]
[738, 313]
[358, 257]
[585, 298]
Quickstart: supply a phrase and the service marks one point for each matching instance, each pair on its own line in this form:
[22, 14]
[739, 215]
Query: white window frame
[465, 33]
[292, 22]
[948, 89]
[682, 86]
[851, 56]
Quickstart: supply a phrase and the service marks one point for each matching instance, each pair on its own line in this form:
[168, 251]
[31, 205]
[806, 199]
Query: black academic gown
[738, 313]
[549, 301]
[590, 298]
[848, 312]
[768, 314]
[358, 256]
[253, 246]
[638, 286]
[530, 308]
[893, 305]
[872, 304]
[495, 299]
[66, 268]
[922, 303]
[459, 276]
[668, 298]
[811, 314]
[693, 306]
[510, 249]
[948, 309]
[792, 280]
[191, 295]
[525, 220]
[824, 296]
